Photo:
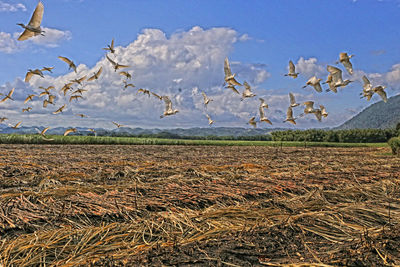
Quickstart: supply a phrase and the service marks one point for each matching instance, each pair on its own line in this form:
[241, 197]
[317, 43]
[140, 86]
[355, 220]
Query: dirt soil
[95, 205]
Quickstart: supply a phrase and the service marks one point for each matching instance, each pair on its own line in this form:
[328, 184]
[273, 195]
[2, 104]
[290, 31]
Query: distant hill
[379, 115]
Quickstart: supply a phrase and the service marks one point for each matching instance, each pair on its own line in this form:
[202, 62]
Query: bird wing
[11, 92]
[45, 102]
[233, 89]
[51, 98]
[111, 61]
[27, 99]
[336, 73]
[91, 78]
[382, 94]
[112, 44]
[37, 16]
[18, 124]
[66, 60]
[99, 71]
[44, 130]
[367, 83]
[292, 68]
[318, 114]
[247, 87]
[28, 76]
[317, 87]
[43, 93]
[68, 131]
[82, 78]
[227, 68]
[159, 97]
[262, 114]
[26, 35]
[204, 96]
[168, 103]
[292, 99]
[349, 67]
[123, 66]
[289, 113]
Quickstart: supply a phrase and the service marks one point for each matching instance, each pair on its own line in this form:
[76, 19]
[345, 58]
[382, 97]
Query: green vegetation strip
[102, 140]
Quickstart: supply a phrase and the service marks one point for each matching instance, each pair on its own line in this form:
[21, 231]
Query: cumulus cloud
[167, 65]
[309, 67]
[8, 44]
[52, 38]
[7, 7]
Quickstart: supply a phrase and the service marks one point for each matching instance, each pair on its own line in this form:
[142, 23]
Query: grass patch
[106, 140]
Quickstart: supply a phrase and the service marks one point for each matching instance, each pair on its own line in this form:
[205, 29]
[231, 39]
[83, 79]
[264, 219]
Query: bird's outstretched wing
[111, 61]
[26, 35]
[37, 16]
[227, 68]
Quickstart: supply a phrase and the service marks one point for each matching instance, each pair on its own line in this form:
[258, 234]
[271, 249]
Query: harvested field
[71, 205]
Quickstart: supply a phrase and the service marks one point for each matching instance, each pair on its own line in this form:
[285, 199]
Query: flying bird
[75, 97]
[33, 27]
[30, 73]
[144, 91]
[70, 63]
[110, 47]
[79, 81]
[79, 91]
[323, 111]
[380, 90]
[253, 122]
[206, 99]
[262, 115]
[336, 77]
[30, 97]
[49, 69]
[345, 60]
[229, 77]
[16, 125]
[318, 114]
[70, 130]
[309, 107]
[263, 104]
[27, 109]
[289, 116]
[117, 124]
[96, 75]
[116, 65]
[60, 109]
[2, 119]
[47, 89]
[210, 121]
[126, 74]
[314, 82]
[50, 100]
[293, 101]
[42, 133]
[8, 96]
[168, 107]
[292, 70]
[126, 85]
[247, 91]
[66, 87]
[81, 115]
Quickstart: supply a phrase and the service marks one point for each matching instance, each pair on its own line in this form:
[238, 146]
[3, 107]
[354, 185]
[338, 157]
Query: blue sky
[259, 37]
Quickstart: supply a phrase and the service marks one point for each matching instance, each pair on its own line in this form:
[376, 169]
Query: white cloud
[168, 65]
[8, 44]
[309, 67]
[52, 38]
[6, 7]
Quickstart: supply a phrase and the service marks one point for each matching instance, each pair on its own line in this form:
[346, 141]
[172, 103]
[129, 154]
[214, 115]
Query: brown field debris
[198, 206]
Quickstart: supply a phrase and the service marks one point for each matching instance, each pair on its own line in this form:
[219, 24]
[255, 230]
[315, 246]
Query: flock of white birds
[334, 80]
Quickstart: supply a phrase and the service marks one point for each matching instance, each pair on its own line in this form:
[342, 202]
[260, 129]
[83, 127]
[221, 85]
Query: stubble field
[99, 205]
